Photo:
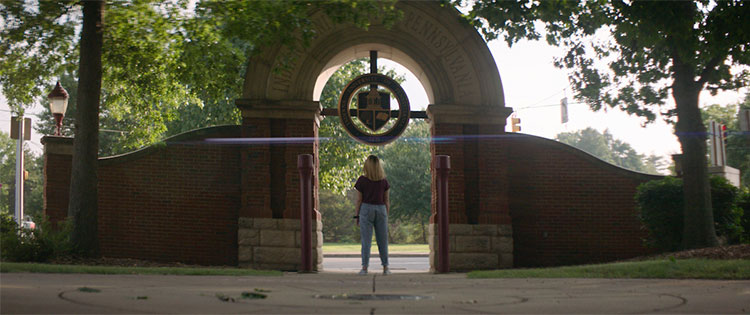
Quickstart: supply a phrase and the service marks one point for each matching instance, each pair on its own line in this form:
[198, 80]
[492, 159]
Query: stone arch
[447, 55]
[454, 65]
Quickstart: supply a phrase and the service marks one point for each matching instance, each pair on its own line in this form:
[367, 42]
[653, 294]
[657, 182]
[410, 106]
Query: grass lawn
[112, 270]
[330, 248]
[651, 269]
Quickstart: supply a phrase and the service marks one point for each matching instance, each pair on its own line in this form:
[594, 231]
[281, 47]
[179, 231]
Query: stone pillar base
[475, 246]
[274, 244]
[730, 173]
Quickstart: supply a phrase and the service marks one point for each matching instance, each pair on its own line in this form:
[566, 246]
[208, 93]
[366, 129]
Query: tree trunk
[424, 232]
[83, 182]
[698, 228]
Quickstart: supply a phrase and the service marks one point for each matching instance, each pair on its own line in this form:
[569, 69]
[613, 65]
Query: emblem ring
[361, 135]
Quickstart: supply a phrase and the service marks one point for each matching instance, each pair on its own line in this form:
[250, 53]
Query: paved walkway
[296, 293]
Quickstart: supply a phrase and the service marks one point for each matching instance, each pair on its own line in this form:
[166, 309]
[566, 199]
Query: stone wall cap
[265, 104]
[50, 139]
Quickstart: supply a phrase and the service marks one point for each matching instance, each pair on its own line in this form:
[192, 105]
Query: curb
[375, 255]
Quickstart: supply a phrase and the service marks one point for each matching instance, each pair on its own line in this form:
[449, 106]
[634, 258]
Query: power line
[548, 105]
[546, 98]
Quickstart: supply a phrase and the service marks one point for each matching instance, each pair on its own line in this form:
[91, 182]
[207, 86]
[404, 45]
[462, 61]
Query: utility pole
[21, 130]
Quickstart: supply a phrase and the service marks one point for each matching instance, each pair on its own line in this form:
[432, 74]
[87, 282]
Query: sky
[533, 87]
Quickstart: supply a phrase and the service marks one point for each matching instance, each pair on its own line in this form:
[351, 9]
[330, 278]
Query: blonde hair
[373, 169]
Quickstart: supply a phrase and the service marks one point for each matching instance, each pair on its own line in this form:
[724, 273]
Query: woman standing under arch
[372, 208]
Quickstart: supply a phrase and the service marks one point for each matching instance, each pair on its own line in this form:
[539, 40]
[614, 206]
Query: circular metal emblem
[373, 110]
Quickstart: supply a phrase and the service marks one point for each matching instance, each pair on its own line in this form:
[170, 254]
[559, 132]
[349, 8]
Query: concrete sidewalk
[305, 293]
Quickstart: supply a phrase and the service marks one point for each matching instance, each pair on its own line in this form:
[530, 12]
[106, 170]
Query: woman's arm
[387, 202]
[359, 204]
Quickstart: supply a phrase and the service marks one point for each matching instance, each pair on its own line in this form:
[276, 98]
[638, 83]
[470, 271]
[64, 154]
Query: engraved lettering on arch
[282, 79]
[446, 48]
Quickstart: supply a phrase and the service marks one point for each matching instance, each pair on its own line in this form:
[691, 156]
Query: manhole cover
[377, 297]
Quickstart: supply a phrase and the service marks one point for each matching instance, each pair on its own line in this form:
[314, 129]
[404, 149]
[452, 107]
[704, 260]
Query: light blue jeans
[373, 216]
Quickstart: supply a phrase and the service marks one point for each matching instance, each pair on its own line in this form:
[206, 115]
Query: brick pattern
[261, 167]
[478, 192]
[182, 201]
[173, 202]
[274, 244]
[256, 170]
[568, 207]
[57, 168]
[454, 148]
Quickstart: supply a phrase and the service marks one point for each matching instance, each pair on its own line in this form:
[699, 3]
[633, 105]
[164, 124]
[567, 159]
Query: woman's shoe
[363, 272]
[386, 271]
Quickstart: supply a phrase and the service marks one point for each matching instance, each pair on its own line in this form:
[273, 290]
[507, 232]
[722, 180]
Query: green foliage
[114, 270]
[736, 269]
[738, 145]
[660, 204]
[655, 50]
[407, 165]
[341, 156]
[38, 245]
[744, 204]
[647, 39]
[607, 148]
[32, 187]
[168, 67]
[337, 212]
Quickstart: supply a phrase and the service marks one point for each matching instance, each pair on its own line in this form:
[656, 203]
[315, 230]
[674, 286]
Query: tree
[32, 186]
[83, 204]
[407, 165]
[606, 147]
[737, 145]
[657, 49]
[341, 156]
[147, 74]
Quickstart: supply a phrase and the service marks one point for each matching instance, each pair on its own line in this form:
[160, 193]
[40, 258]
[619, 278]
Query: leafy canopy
[169, 67]
[604, 146]
[624, 52]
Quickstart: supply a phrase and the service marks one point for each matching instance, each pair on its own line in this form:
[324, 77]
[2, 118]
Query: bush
[38, 245]
[744, 204]
[661, 210]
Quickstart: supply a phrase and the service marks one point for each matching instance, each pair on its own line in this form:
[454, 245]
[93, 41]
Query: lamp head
[58, 100]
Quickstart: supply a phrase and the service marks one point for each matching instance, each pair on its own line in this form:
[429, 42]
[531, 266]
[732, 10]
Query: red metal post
[442, 168]
[305, 166]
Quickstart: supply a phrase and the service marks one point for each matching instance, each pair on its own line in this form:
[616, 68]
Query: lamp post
[58, 103]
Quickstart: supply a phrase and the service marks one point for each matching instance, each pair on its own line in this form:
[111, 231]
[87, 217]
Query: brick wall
[568, 207]
[270, 177]
[57, 155]
[181, 201]
[478, 192]
[177, 201]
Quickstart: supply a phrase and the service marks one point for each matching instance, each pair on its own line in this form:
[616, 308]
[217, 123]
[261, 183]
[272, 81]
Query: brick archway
[238, 204]
[459, 74]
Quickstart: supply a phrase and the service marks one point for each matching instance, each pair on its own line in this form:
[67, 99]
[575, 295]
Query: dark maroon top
[372, 192]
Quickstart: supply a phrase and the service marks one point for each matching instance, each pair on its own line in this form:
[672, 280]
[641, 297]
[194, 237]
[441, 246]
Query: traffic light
[724, 134]
[515, 124]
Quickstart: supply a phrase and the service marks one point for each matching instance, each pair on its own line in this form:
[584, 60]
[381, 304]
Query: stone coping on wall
[274, 244]
[473, 115]
[541, 141]
[475, 246]
[288, 109]
[58, 145]
[192, 137]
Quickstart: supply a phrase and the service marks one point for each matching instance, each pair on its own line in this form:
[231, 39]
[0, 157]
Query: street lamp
[58, 103]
